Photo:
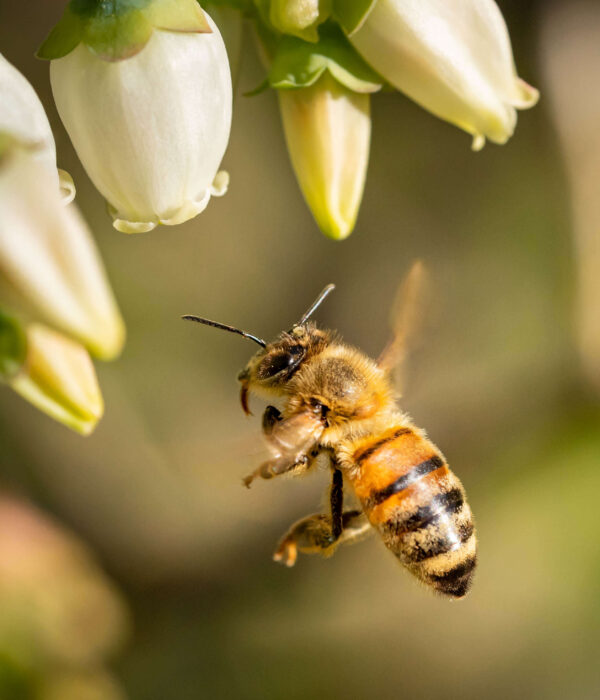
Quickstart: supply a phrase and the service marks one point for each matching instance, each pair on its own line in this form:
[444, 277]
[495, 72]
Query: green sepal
[120, 29]
[118, 38]
[64, 37]
[352, 13]
[298, 63]
[13, 346]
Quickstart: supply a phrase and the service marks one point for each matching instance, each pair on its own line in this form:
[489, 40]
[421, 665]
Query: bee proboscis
[339, 402]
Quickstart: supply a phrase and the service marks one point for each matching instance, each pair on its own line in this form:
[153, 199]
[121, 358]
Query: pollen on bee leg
[286, 553]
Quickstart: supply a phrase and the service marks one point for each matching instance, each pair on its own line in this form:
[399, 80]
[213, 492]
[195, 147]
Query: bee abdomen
[418, 505]
[436, 541]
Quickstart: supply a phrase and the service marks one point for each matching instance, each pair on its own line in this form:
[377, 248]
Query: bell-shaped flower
[22, 117]
[453, 58]
[327, 130]
[50, 269]
[145, 94]
[230, 22]
[324, 98]
[58, 378]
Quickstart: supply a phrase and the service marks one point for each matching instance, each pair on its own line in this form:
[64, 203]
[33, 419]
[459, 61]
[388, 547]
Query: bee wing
[407, 319]
[295, 435]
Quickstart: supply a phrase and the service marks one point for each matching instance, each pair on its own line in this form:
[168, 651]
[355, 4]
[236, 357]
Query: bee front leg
[275, 467]
[293, 442]
[270, 418]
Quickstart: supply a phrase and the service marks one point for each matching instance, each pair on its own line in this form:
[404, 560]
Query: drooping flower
[50, 269]
[58, 378]
[453, 57]
[145, 95]
[328, 130]
[324, 98]
[22, 116]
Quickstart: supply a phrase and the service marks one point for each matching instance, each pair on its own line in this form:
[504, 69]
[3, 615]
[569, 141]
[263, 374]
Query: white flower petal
[49, 261]
[453, 57]
[22, 116]
[150, 130]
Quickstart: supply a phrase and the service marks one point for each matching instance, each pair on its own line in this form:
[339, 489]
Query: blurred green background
[498, 383]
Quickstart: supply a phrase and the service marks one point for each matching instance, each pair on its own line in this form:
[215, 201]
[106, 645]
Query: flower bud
[327, 131]
[453, 58]
[299, 17]
[49, 265]
[22, 117]
[150, 129]
[58, 377]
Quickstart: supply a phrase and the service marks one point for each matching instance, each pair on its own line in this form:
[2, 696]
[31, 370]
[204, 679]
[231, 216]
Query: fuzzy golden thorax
[315, 368]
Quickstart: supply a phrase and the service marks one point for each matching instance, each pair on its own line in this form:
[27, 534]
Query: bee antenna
[316, 303]
[225, 327]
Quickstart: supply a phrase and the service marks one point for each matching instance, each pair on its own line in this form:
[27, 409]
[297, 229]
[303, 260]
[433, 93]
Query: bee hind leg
[315, 535]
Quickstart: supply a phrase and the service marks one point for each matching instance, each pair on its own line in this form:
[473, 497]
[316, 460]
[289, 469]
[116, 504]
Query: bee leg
[336, 501]
[275, 467]
[313, 535]
[271, 417]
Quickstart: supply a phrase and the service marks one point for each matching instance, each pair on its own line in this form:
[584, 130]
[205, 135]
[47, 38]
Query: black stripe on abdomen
[455, 581]
[370, 451]
[444, 504]
[404, 481]
[443, 544]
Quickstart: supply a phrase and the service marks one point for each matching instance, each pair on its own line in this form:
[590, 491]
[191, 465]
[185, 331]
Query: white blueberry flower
[328, 130]
[58, 378]
[453, 57]
[151, 128]
[23, 118]
[49, 265]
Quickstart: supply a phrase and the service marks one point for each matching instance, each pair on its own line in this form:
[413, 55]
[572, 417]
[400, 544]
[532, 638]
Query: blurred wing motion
[408, 315]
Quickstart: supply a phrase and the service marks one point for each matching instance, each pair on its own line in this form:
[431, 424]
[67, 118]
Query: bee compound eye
[276, 363]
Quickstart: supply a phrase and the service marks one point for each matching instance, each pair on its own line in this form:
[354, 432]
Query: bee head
[272, 367]
[269, 371]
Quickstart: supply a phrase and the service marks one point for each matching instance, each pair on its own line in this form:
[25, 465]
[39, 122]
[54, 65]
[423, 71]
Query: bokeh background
[188, 603]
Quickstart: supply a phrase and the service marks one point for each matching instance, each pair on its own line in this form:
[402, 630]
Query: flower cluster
[326, 57]
[144, 89]
[56, 306]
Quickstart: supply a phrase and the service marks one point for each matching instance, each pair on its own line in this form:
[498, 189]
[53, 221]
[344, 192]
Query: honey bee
[339, 402]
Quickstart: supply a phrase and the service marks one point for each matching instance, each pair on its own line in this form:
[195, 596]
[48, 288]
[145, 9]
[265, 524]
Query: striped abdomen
[418, 505]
